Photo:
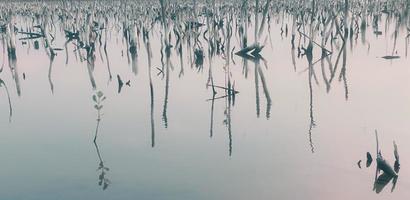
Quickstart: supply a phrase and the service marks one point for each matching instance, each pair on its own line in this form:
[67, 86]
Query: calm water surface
[283, 136]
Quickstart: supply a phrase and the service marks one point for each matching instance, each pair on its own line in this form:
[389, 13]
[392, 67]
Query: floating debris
[254, 50]
[391, 57]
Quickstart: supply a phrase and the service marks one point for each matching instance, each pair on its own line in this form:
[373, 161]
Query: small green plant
[99, 98]
[102, 179]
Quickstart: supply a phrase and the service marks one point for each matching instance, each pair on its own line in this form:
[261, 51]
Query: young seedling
[98, 99]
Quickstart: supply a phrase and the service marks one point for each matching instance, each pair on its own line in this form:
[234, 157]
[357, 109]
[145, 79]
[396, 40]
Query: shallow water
[305, 145]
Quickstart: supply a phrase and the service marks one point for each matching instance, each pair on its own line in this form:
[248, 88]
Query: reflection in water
[333, 31]
[8, 98]
[309, 57]
[229, 92]
[258, 109]
[369, 159]
[381, 181]
[98, 99]
[151, 87]
[47, 40]
[388, 174]
[130, 33]
[328, 29]
[120, 83]
[90, 58]
[211, 127]
[50, 67]
[11, 53]
[103, 181]
[384, 172]
[3, 44]
[167, 49]
[165, 106]
[107, 59]
[208, 33]
[265, 88]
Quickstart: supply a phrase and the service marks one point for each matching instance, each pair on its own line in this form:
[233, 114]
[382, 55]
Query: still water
[285, 135]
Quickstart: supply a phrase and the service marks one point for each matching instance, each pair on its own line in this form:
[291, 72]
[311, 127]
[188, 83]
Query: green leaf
[95, 98]
[96, 107]
[100, 94]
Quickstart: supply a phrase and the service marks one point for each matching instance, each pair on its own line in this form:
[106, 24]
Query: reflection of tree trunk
[322, 64]
[212, 117]
[8, 97]
[164, 111]
[309, 57]
[293, 41]
[3, 44]
[151, 89]
[230, 129]
[107, 58]
[245, 67]
[181, 61]
[256, 21]
[49, 73]
[152, 114]
[90, 39]
[99, 46]
[133, 47]
[257, 92]
[265, 89]
[228, 104]
[210, 76]
[134, 63]
[167, 53]
[12, 58]
[66, 52]
[228, 123]
[90, 69]
[293, 56]
[13, 68]
[96, 129]
[342, 75]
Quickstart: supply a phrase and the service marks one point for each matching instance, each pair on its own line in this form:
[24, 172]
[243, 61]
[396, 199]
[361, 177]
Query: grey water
[292, 128]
